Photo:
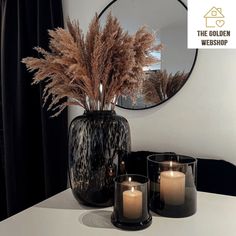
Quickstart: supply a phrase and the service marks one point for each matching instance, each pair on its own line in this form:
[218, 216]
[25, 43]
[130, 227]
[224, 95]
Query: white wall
[200, 120]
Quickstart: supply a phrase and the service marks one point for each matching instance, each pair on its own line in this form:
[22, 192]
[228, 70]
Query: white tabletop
[61, 215]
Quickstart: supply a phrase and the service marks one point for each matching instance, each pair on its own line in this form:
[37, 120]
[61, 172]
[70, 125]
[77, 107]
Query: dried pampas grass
[92, 71]
[160, 85]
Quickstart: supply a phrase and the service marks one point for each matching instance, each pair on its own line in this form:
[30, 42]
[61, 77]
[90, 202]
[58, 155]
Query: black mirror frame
[190, 72]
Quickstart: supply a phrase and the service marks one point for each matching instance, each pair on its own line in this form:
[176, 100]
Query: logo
[211, 24]
[214, 18]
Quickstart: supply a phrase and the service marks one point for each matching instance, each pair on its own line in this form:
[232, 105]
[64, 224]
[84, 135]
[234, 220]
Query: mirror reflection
[168, 19]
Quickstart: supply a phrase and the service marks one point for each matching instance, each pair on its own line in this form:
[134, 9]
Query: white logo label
[211, 24]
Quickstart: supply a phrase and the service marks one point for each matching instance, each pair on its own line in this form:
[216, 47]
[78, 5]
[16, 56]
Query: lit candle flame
[100, 88]
[171, 163]
[129, 179]
[132, 189]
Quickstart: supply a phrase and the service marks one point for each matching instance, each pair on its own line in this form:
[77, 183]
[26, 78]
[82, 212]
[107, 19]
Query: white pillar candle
[172, 187]
[132, 203]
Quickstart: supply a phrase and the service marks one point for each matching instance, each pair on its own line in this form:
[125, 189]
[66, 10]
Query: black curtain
[33, 146]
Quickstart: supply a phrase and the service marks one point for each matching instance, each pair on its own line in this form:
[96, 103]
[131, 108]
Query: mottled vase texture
[98, 142]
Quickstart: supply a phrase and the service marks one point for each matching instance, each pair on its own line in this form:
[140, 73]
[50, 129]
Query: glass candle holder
[173, 190]
[131, 202]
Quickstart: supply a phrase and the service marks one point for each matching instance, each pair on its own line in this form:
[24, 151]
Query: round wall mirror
[168, 19]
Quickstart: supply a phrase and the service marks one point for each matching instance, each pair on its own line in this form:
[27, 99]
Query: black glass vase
[98, 142]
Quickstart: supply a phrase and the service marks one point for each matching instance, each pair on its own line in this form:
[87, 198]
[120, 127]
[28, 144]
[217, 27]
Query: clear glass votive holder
[131, 202]
[173, 190]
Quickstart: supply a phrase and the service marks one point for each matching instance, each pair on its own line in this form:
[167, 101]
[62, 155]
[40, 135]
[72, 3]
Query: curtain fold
[34, 162]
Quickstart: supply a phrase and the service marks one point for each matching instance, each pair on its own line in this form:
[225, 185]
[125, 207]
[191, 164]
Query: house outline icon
[214, 18]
